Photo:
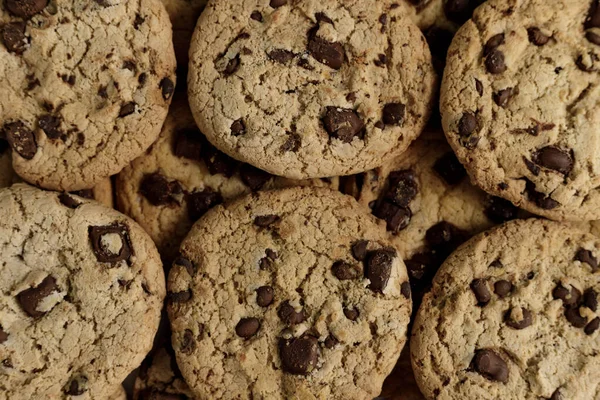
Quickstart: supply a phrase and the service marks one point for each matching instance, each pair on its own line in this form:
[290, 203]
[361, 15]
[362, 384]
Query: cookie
[184, 15]
[309, 89]
[519, 104]
[313, 302]
[86, 86]
[160, 376]
[182, 176]
[81, 292]
[512, 315]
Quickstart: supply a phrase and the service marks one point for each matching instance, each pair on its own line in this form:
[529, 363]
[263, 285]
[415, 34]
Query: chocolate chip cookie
[519, 102]
[513, 315]
[85, 86]
[184, 15]
[182, 176]
[294, 293]
[309, 89]
[81, 292]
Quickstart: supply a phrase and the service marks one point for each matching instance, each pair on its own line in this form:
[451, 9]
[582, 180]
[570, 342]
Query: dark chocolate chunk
[346, 271]
[499, 210]
[30, 299]
[281, 56]
[586, 256]
[569, 297]
[555, 159]
[396, 218]
[502, 97]
[405, 289]
[159, 191]
[494, 62]
[593, 17]
[450, 169]
[481, 291]
[468, 124]
[253, 177]
[238, 127]
[490, 365]
[3, 335]
[21, 139]
[257, 16]
[127, 109]
[327, 53]
[574, 317]
[76, 386]
[537, 37]
[180, 297]
[590, 299]
[265, 296]
[503, 288]
[13, 37]
[592, 326]
[393, 114]
[525, 321]
[68, 201]
[50, 124]
[167, 87]
[540, 199]
[379, 268]
[288, 314]
[299, 356]
[218, 162]
[351, 313]
[247, 327]
[493, 43]
[104, 245]
[188, 342]
[277, 3]
[292, 143]
[25, 8]
[232, 65]
[200, 202]
[342, 123]
[359, 249]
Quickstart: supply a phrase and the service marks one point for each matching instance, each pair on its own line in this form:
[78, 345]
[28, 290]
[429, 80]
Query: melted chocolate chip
[537, 37]
[405, 290]
[493, 43]
[238, 127]
[592, 326]
[68, 201]
[393, 114]
[159, 191]
[13, 37]
[345, 271]
[167, 88]
[351, 313]
[555, 159]
[232, 65]
[127, 109]
[587, 257]
[359, 249]
[104, 244]
[396, 218]
[265, 296]
[490, 365]
[200, 202]
[540, 199]
[379, 268]
[481, 291]
[21, 139]
[281, 56]
[299, 356]
[468, 124]
[247, 327]
[502, 97]
[450, 169]
[569, 297]
[30, 299]
[25, 8]
[287, 313]
[524, 320]
[574, 317]
[327, 53]
[590, 299]
[342, 123]
[503, 288]
[494, 62]
[277, 3]
[51, 126]
[257, 16]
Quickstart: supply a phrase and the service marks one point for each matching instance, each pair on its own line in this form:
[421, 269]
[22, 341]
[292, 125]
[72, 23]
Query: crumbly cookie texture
[159, 377]
[312, 88]
[513, 315]
[182, 176]
[86, 86]
[81, 291]
[294, 293]
[184, 15]
[520, 104]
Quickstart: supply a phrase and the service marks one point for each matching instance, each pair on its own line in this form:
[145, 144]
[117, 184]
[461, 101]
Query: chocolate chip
[264, 296]
[68, 201]
[393, 114]
[396, 218]
[593, 17]
[379, 268]
[590, 299]
[537, 37]
[200, 202]
[327, 53]
[292, 143]
[467, 124]
[345, 271]
[402, 188]
[102, 92]
[159, 191]
[342, 123]
[321, 17]
[359, 249]
[351, 313]
[238, 127]
[189, 143]
[330, 342]
[574, 317]
[257, 16]
[499, 210]
[490, 365]
[76, 386]
[494, 62]
[380, 61]
[540, 199]
[299, 356]
[479, 87]
[188, 342]
[51, 126]
[493, 43]
[185, 263]
[21, 139]
[127, 109]
[587, 62]
[70, 79]
[30, 299]
[167, 87]
[218, 162]
[3, 335]
[405, 289]
[247, 327]
[503, 288]
[253, 177]
[450, 169]
[502, 97]
[287, 313]
[586, 256]
[593, 37]
[104, 244]
[266, 220]
[555, 159]
[524, 320]
[267, 261]
[533, 168]
[445, 235]
[13, 36]
[180, 297]
[569, 297]
[277, 3]
[25, 8]
[130, 65]
[232, 65]
[481, 291]
[281, 56]
[592, 326]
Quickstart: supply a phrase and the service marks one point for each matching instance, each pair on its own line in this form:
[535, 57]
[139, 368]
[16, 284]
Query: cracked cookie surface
[182, 176]
[86, 86]
[81, 291]
[309, 88]
[294, 293]
[520, 100]
[513, 315]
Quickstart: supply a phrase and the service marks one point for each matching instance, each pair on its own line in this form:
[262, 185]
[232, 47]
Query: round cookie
[309, 89]
[184, 15]
[520, 101]
[86, 86]
[513, 315]
[182, 176]
[294, 293]
[81, 292]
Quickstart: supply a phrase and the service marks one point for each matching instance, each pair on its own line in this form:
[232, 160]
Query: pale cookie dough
[294, 293]
[309, 89]
[520, 104]
[81, 292]
[184, 15]
[513, 314]
[85, 86]
[182, 176]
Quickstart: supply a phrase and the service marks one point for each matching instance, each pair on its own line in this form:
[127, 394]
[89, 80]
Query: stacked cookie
[312, 227]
